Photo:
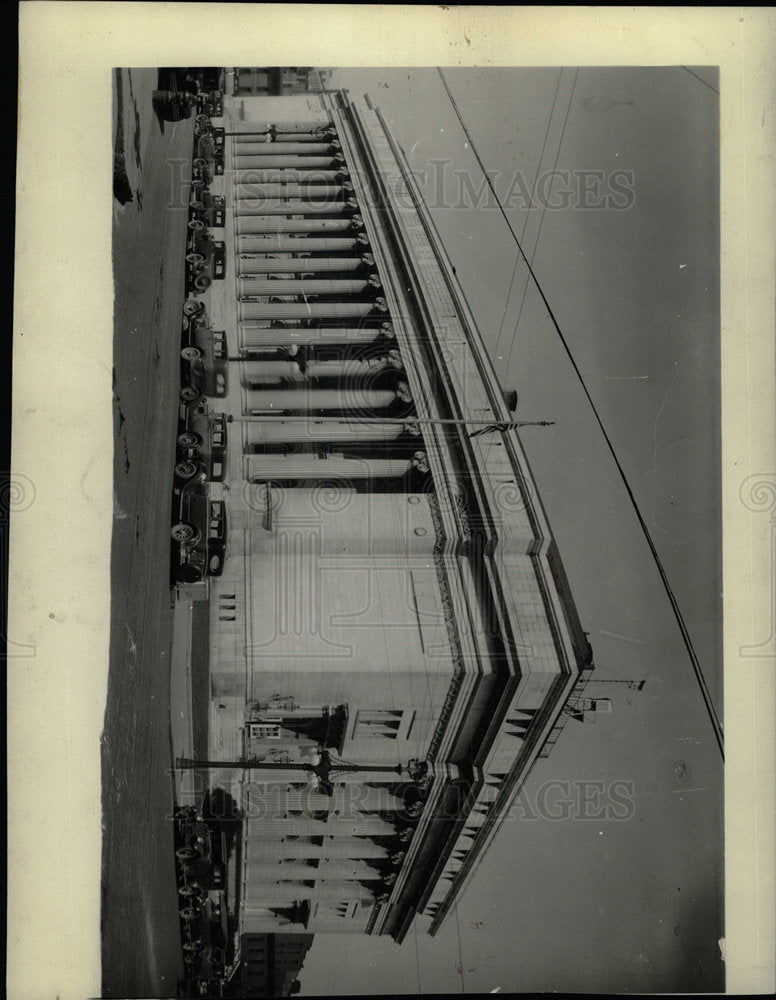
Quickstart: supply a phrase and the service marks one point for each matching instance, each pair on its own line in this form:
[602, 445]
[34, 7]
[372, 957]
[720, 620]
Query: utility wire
[544, 212]
[528, 216]
[701, 680]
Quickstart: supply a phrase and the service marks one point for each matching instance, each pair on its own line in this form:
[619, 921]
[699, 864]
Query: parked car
[202, 438]
[211, 103]
[199, 532]
[203, 355]
[206, 208]
[209, 149]
[206, 257]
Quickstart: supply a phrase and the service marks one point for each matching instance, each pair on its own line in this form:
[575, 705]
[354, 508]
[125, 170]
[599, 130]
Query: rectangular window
[374, 723]
[267, 730]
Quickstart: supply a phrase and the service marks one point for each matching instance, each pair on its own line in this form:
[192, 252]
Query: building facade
[270, 964]
[276, 80]
[391, 592]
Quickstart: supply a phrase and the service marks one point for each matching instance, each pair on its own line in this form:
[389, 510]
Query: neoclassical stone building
[392, 591]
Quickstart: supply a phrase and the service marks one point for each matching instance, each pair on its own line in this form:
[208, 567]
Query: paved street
[141, 944]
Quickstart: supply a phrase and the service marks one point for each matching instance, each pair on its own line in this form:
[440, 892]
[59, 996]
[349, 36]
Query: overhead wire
[541, 220]
[686, 638]
[528, 214]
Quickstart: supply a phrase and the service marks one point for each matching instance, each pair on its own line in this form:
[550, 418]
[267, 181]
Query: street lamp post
[323, 768]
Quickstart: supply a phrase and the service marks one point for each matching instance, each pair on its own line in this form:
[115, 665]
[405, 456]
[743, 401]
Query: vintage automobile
[209, 148]
[199, 532]
[202, 438]
[207, 208]
[205, 258]
[211, 103]
[203, 355]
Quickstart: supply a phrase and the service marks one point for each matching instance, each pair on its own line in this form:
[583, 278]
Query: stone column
[316, 399]
[281, 895]
[311, 265]
[248, 205]
[244, 161]
[332, 847]
[350, 800]
[278, 431]
[249, 187]
[346, 868]
[312, 136]
[253, 337]
[281, 175]
[256, 221]
[303, 286]
[352, 369]
[265, 468]
[268, 871]
[274, 828]
[269, 372]
[296, 244]
[306, 310]
[289, 149]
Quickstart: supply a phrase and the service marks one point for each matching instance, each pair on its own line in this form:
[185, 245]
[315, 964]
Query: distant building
[277, 80]
[392, 591]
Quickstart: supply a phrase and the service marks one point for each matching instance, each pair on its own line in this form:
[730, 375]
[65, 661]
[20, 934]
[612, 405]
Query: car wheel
[199, 162]
[188, 439]
[182, 532]
[196, 225]
[202, 282]
[196, 206]
[190, 913]
[195, 258]
[189, 891]
[186, 470]
[191, 354]
[189, 394]
[185, 854]
[191, 307]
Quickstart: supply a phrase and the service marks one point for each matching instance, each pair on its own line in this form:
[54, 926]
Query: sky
[624, 241]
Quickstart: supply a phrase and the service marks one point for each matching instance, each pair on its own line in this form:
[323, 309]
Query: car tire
[196, 225]
[191, 353]
[185, 470]
[182, 532]
[191, 307]
[189, 394]
[202, 282]
[188, 439]
[195, 258]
